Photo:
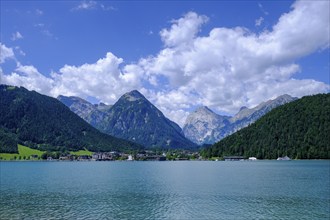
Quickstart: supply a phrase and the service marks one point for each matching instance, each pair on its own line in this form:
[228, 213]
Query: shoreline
[55, 160]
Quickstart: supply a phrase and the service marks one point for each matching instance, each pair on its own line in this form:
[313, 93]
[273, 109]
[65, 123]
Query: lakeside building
[130, 158]
[104, 156]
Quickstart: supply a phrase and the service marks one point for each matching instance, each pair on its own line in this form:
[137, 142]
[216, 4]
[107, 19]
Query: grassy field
[81, 152]
[24, 153]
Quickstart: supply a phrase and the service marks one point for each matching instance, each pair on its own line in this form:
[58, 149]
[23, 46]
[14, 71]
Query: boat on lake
[284, 158]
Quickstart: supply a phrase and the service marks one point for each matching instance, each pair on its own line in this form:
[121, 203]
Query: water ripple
[169, 190]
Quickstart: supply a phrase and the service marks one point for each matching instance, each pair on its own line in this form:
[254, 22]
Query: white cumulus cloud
[232, 67]
[6, 53]
[183, 30]
[104, 79]
[30, 78]
[224, 70]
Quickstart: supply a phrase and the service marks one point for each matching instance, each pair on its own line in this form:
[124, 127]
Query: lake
[165, 190]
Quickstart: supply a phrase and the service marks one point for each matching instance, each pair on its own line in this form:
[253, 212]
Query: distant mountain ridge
[96, 115]
[42, 122]
[203, 126]
[299, 129]
[132, 118]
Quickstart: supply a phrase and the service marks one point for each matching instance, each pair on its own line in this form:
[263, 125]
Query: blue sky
[179, 54]
[127, 29]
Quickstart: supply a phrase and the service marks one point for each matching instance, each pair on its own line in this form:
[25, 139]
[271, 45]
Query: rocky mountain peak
[285, 97]
[134, 118]
[202, 112]
[262, 108]
[203, 109]
[133, 95]
[93, 114]
[203, 126]
[200, 124]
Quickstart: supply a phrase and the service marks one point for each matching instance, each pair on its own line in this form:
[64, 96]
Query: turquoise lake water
[165, 190]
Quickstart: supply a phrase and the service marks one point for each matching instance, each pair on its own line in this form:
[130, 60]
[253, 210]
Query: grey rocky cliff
[203, 126]
[96, 115]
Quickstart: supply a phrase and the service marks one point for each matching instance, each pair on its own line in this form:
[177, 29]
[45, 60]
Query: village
[147, 155]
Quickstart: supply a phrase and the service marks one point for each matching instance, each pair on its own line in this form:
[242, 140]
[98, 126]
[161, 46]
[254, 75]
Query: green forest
[44, 123]
[300, 130]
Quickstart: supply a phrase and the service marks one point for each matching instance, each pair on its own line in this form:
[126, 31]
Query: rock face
[206, 127]
[132, 118]
[202, 123]
[96, 115]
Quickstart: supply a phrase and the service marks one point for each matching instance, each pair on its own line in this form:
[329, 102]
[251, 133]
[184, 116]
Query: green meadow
[81, 152]
[25, 153]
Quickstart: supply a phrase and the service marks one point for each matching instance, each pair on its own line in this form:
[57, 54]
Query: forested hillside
[44, 123]
[300, 129]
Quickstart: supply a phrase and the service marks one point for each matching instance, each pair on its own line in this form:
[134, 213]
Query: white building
[130, 157]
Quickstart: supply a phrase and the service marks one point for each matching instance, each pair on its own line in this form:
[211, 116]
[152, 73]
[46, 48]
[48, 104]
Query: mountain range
[203, 126]
[132, 118]
[44, 123]
[299, 129]
[283, 126]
